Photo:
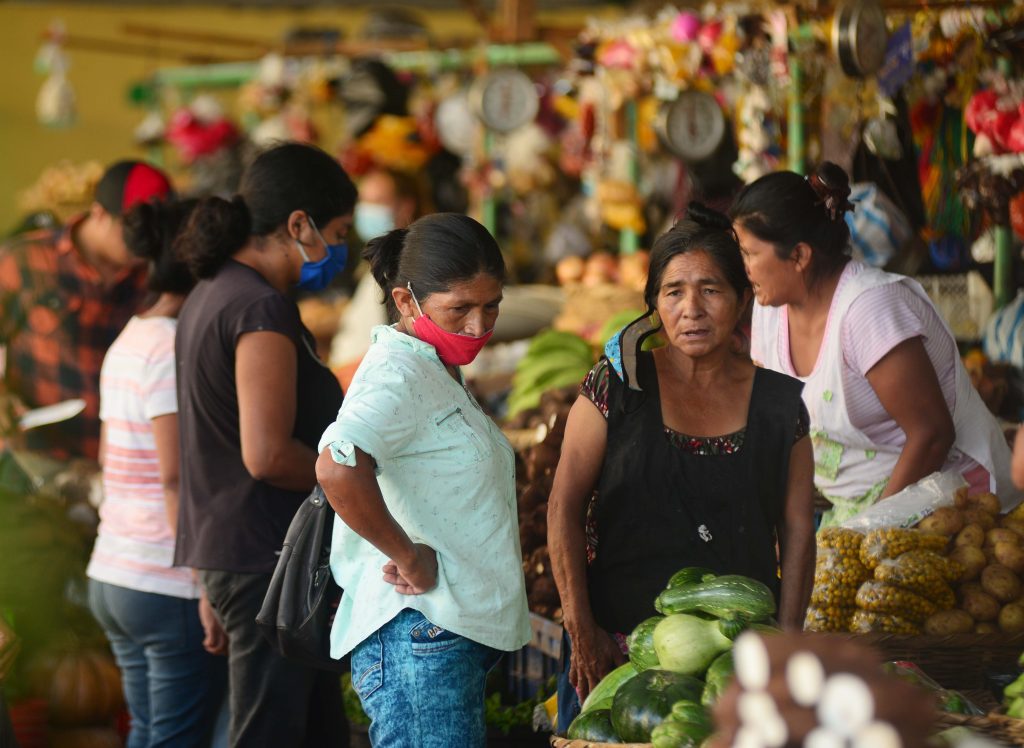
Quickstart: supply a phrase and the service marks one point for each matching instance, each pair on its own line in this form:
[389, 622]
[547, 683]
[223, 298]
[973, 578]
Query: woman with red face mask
[426, 542]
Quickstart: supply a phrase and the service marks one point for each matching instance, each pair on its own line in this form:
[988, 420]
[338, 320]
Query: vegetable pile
[680, 663]
[534, 473]
[956, 572]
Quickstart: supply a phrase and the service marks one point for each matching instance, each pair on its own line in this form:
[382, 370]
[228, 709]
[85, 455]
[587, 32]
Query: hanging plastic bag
[878, 228]
[911, 505]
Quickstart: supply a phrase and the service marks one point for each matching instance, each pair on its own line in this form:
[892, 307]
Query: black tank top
[660, 508]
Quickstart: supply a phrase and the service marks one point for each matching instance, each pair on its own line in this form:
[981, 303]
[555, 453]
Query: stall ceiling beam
[258, 46]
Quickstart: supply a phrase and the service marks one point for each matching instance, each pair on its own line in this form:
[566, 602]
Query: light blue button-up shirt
[447, 475]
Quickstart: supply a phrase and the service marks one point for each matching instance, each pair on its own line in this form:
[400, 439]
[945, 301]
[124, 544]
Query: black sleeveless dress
[660, 508]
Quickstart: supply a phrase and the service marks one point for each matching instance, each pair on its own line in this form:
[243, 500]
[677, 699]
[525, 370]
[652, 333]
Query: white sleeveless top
[850, 469]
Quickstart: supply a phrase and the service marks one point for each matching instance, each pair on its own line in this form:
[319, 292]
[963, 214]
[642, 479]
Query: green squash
[717, 679]
[603, 692]
[641, 644]
[595, 725]
[689, 575]
[646, 701]
[731, 596]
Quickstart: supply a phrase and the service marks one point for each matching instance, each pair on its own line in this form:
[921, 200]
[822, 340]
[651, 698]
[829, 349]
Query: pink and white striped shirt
[135, 545]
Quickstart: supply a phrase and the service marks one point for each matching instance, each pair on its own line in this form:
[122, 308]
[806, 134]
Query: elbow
[170, 483]
[261, 462]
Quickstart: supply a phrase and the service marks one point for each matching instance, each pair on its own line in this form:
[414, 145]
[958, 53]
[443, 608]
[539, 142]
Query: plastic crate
[964, 300]
[529, 668]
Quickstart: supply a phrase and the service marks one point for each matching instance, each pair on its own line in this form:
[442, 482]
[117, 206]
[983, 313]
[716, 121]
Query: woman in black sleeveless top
[684, 456]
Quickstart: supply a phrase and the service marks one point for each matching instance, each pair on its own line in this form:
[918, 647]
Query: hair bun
[832, 187]
[707, 217]
[142, 230]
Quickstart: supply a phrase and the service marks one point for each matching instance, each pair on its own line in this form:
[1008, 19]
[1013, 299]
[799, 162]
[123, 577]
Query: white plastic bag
[911, 505]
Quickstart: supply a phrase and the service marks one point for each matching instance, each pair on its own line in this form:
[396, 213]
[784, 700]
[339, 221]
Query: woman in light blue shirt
[426, 542]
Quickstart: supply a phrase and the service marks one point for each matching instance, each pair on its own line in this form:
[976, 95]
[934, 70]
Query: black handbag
[300, 604]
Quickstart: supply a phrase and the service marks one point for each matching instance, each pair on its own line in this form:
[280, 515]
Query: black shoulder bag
[303, 597]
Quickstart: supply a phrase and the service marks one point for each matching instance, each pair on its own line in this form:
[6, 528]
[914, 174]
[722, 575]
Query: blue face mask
[373, 220]
[316, 276]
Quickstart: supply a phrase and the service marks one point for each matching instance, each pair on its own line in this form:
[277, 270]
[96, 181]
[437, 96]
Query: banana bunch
[553, 359]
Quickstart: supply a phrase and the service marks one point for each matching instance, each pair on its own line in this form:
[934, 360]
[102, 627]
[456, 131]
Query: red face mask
[454, 349]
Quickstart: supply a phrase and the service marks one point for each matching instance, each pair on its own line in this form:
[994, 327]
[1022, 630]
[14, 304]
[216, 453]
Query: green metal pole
[795, 126]
[489, 206]
[1002, 277]
[629, 241]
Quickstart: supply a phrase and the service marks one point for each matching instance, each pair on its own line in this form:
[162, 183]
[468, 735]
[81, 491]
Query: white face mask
[372, 220]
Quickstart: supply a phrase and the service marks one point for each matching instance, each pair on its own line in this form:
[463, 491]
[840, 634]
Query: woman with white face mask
[426, 542]
[387, 200]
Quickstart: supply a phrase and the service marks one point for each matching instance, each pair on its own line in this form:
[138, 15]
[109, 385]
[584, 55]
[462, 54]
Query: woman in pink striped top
[150, 610]
[888, 397]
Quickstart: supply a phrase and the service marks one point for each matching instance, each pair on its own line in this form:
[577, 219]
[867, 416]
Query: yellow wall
[100, 80]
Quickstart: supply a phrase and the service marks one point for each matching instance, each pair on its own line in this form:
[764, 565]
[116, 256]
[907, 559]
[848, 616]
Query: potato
[960, 499]
[1010, 555]
[987, 501]
[1017, 512]
[1000, 582]
[1017, 525]
[973, 535]
[949, 622]
[943, 521]
[1001, 535]
[980, 605]
[1011, 618]
[986, 628]
[977, 516]
[971, 559]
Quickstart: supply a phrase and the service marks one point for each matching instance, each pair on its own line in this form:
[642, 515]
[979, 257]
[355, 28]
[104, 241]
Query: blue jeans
[568, 699]
[422, 686]
[173, 686]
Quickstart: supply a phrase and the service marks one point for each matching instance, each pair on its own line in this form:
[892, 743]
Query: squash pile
[956, 572]
[680, 663]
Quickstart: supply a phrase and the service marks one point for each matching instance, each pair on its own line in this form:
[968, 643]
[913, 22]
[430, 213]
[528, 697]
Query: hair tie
[835, 200]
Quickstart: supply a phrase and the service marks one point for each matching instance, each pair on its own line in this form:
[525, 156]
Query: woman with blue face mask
[254, 399]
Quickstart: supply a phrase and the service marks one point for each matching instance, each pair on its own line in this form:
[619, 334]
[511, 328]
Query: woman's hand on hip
[416, 576]
[595, 653]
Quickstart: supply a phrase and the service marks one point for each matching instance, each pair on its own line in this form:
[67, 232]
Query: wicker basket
[995, 726]
[958, 661]
[558, 742]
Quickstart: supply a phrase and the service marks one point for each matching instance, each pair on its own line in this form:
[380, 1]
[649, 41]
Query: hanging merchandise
[692, 126]
[201, 129]
[504, 100]
[859, 37]
[55, 103]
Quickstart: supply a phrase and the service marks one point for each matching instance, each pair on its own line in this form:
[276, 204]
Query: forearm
[922, 455]
[797, 550]
[289, 465]
[355, 496]
[171, 508]
[567, 546]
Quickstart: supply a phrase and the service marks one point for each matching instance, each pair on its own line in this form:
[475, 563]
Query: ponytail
[215, 231]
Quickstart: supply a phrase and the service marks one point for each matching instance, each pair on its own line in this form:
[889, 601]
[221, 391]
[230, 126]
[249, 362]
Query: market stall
[576, 156]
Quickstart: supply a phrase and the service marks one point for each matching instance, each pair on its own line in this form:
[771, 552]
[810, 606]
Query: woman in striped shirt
[162, 631]
[889, 399]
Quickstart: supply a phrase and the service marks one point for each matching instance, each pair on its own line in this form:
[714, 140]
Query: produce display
[1013, 695]
[535, 471]
[956, 572]
[796, 690]
[680, 663]
[554, 359]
